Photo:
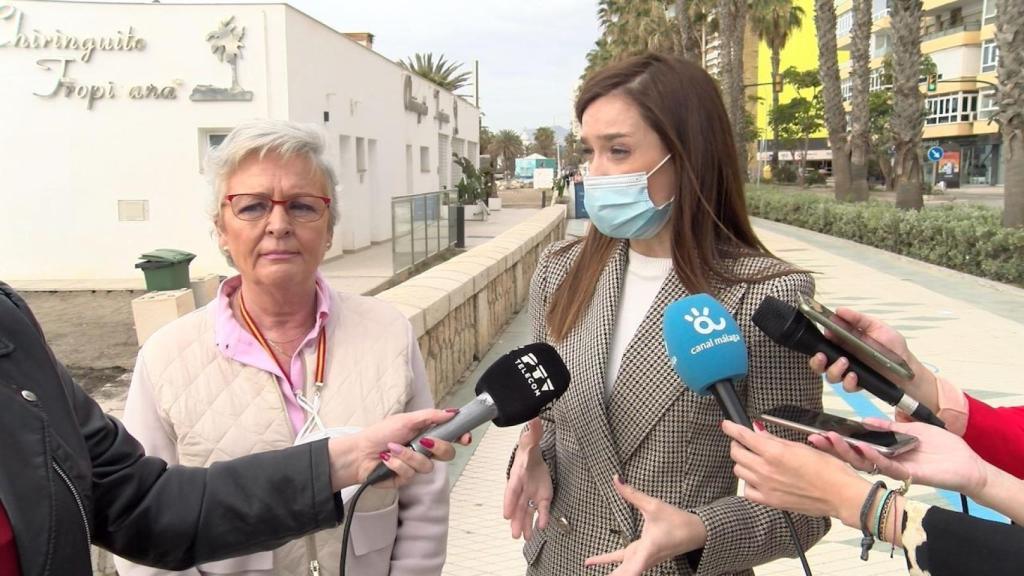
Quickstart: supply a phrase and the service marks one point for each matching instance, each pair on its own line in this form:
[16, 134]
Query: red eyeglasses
[303, 208]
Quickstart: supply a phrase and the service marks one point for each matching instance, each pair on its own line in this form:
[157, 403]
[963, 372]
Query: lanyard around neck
[321, 346]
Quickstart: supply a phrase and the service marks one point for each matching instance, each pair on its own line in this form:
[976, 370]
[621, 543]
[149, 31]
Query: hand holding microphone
[513, 390]
[784, 324]
[923, 387]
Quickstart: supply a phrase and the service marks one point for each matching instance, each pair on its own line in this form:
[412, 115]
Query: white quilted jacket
[192, 405]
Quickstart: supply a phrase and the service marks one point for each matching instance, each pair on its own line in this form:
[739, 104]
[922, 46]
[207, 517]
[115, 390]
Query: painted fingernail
[385, 456]
[759, 425]
[470, 437]
[619, 479]
[427, 443]
[452, 410]
[395, 448]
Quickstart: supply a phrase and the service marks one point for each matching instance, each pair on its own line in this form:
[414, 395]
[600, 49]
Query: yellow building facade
[800, 52]
[959, 37]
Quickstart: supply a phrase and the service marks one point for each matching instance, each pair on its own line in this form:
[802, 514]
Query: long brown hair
[681, 103]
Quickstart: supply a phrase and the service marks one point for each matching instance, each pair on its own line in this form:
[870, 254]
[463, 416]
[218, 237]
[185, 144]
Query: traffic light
[777, 83]
[933, 82]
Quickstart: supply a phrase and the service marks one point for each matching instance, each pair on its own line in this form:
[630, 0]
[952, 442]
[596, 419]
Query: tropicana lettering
[125, 41]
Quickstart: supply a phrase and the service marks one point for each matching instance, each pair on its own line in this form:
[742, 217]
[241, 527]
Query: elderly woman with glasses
[280, 358]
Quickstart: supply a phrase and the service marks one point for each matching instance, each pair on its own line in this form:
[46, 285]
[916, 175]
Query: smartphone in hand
[813, 422]
[864, 347]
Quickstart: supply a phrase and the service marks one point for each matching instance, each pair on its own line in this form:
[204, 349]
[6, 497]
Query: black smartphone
[855, 433]
[856, 342]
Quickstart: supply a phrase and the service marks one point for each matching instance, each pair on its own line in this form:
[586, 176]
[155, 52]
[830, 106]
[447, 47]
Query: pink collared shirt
[237, 343]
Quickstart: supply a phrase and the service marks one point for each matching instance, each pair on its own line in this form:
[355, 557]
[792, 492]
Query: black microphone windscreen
[782, 322]
[523, 382]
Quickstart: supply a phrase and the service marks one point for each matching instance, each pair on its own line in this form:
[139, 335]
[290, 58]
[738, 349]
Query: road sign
[935, 153]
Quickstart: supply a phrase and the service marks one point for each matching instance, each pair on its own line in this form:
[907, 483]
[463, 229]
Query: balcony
[929, 5]
[965, 27]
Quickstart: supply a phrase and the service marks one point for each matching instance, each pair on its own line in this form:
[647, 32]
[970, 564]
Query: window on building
[844, 23]
[955, 17]
[344, 155]
[951, 108]
[990, 11]
[879, 9]
[425, 159]
[878, 80]
[987, 105]
[208, 139]
[360, 154]
[880, 44]
[846, 87]
[989, 55]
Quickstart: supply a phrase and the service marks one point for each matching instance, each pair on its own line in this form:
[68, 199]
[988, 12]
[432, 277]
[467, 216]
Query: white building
[110, 108]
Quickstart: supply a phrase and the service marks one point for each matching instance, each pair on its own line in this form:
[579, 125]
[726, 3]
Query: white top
[644, 277]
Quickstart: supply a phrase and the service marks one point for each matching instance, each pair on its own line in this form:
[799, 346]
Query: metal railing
[421, 226]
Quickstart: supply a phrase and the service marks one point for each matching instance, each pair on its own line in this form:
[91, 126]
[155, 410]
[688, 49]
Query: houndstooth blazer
[662, 438]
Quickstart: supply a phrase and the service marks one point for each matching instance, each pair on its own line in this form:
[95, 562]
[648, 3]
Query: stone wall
[457, 308]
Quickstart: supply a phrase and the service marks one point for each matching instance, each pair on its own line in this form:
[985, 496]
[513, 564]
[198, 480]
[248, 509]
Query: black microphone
[513, 390]
[785, 325]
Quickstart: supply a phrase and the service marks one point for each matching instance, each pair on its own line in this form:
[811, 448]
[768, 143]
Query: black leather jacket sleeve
[176, 517]
[137, 506]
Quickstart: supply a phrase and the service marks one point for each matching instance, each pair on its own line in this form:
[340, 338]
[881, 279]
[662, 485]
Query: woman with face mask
[665, 196]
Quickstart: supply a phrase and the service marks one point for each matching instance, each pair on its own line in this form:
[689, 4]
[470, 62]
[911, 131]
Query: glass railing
[421, 226]
[965, 27]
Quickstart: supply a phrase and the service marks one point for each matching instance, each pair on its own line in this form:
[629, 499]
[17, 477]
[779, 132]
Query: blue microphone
[707, 351]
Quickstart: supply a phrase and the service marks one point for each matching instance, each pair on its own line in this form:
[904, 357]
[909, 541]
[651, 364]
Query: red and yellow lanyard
[321, 347]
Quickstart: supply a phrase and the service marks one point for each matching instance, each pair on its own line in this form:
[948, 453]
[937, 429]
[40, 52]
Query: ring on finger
[531, 504]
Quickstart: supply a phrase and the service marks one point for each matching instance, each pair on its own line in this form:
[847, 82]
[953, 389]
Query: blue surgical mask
[620, 204]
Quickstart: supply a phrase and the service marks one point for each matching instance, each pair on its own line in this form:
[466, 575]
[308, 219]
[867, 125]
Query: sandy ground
[92, 334]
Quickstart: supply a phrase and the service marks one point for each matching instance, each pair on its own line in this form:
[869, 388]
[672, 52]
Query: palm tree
[907, 103]
[486, 140]
[832, 96]
[732, 25]
[572, 152]
[630, 27]
[508, 146]
[544, 141]
[1010, 68]
[860, 73]
[689, 43]
[774, 21]
[443, 72]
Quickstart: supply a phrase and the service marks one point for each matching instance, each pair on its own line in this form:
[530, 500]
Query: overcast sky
[531, 52]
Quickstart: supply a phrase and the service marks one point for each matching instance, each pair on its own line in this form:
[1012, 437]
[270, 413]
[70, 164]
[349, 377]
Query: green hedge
[965, 238]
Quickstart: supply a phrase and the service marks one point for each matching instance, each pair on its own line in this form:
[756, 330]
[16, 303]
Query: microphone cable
[347, 530]
[796, 542]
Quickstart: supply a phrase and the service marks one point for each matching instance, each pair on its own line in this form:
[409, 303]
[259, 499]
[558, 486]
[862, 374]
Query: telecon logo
[535, 374]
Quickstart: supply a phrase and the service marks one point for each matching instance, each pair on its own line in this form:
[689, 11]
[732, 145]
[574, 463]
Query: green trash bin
[165, 269]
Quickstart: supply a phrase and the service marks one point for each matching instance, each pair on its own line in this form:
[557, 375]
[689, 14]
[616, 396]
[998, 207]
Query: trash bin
[165, 269]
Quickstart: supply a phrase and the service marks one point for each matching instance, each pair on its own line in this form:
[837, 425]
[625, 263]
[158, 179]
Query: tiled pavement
[970, 330]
